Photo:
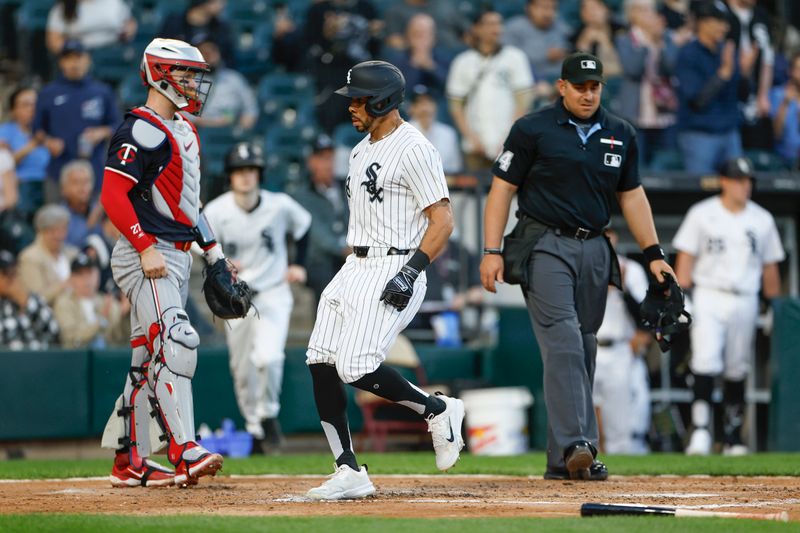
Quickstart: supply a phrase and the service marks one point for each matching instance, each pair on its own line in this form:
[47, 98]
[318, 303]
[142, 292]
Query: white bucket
[497, 420]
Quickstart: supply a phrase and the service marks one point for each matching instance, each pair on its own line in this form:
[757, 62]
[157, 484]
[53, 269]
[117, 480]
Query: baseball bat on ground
[607, 509]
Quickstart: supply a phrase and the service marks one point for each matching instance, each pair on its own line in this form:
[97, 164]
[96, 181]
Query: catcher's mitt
[226, 296]
[662, 311]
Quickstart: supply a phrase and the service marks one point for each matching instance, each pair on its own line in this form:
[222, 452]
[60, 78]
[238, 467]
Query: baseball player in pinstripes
[400, 220]
[151, 192]
[728, 248]
[252, 225]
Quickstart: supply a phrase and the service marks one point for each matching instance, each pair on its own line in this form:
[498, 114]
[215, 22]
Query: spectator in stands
[232, 102]
[202, 17]
[339, 34]
[750, 30]
[327, 203]
[77, 182]
[287, 40]
[708, 74]
[442, 136]
[450, 22]
[99, 247]
[647, 97]
[543, 36]
[596, 35]
[488, 87]
[75, 116]
[8, 179]
[95, 23]
[785, 111]
[422, 63]
[676, 13]
[44, 265]
[26, 321]
[30, 157]
[86, 317]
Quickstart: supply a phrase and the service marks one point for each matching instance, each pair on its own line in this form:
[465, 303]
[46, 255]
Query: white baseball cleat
[700, 443]
[735, 450]
[344, 484]
[445, 430]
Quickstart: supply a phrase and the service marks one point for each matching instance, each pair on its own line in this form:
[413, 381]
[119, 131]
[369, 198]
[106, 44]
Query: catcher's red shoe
[192, 462]
[151, 474]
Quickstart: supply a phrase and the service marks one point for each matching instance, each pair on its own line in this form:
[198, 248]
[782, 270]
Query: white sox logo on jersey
[375, 193]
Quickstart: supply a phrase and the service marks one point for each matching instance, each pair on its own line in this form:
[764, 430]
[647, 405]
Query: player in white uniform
[620, 397]
[253, 225]
[728, 248]
[400, 220]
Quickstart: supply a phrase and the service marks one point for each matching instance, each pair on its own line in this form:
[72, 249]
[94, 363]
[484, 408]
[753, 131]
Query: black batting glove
[400, 288]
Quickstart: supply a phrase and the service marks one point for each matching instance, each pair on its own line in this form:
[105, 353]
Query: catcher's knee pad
[175, 347]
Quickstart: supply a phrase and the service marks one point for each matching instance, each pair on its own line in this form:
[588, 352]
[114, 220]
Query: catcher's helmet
[162, 58]
[381, 81]
[244, 155]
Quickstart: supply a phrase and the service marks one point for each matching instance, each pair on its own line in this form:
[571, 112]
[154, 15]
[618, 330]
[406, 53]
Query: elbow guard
[203, 234]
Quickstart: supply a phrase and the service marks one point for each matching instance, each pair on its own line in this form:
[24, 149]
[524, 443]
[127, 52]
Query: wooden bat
[607, 509]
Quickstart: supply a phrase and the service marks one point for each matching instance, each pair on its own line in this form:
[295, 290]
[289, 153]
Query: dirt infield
[404, 496]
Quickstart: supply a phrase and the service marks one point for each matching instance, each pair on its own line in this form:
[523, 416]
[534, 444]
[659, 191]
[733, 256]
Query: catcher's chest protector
[176, 190]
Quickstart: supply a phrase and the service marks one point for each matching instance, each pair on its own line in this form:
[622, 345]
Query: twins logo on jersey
[375, 192]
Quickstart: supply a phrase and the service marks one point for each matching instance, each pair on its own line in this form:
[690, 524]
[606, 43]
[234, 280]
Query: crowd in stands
[702, 80]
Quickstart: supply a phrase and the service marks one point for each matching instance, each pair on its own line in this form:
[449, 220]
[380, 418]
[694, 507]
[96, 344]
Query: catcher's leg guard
[175, 342]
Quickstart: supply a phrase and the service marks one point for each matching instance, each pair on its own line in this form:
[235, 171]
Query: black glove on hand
[400, 288]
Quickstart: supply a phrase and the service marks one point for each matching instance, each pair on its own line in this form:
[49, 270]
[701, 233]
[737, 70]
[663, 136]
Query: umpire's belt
[374, 251]
[581, 234]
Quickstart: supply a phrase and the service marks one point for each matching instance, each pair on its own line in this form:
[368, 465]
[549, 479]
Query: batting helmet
[379, 80]
[244, 155]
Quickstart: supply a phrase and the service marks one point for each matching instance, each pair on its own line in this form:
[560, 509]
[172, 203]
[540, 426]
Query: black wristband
[492, 251]
[419, 261]
[653, 253]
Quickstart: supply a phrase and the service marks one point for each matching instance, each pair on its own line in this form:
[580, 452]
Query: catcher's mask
[176, 70]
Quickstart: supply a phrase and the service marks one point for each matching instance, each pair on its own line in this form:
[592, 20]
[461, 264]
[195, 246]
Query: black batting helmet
[244, 155]
[381, 81]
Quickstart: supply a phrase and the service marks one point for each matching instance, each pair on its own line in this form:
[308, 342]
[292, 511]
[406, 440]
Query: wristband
[653, 253]
[492, 251]
[419, 261]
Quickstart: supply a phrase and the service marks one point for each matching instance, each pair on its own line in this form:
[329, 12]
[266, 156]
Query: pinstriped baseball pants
[354, 329]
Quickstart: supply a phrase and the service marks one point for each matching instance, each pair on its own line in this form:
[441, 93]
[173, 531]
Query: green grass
[160, 524]
[770, 464]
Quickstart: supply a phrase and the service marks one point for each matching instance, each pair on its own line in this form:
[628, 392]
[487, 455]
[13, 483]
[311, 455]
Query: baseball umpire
[253, 226]
[151, 192]
[567, 162]
[400, 220]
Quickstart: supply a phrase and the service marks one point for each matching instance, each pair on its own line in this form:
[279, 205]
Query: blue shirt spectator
[784, 111]
[30, 157]
[707, 72]
[77, 181]
[542, 35]
[75, 114]
[423, 64]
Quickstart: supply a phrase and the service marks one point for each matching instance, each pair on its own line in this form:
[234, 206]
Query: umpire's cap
[581, 67]
[738, 168]
[244, 155]
[381, 81]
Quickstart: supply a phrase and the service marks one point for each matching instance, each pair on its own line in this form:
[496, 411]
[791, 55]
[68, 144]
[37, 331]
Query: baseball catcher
[663, 311]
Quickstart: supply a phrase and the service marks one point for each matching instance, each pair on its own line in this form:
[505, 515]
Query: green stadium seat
[32, 14]
[667, 160]
[113, 64]
[766, 161]
[346, 135]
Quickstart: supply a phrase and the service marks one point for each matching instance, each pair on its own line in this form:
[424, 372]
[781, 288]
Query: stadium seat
[278, 93]
[510, 8]
[253, 41]
[345, 135]
[294, 142]
[247, 11]
[666, 160]
[32, 14]
[766, 161]
[131, 91]
[113, 64]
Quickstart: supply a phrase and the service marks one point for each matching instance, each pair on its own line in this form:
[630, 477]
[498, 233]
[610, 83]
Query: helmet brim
[353, 92]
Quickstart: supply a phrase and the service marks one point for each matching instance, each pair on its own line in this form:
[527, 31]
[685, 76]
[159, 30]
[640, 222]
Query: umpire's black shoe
[578, 457]
[597, 472]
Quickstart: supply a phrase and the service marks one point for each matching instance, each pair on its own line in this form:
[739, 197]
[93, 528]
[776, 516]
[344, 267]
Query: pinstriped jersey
[389, 184]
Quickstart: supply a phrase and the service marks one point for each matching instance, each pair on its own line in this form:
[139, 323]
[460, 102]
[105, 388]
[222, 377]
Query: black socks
[387, 383]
